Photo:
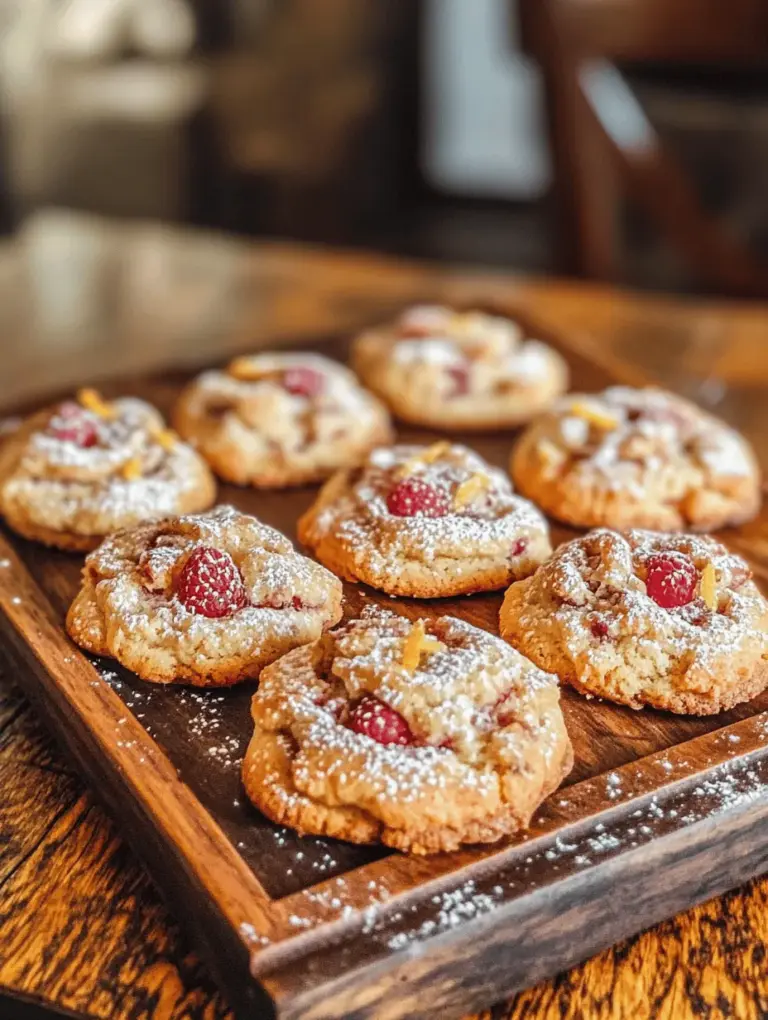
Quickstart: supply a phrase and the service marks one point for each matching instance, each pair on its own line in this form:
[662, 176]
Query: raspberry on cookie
[204, 599]
[73, 473]
[446, 369]
[424, 736]
[645, 618]
[276, 420]
[637, 458]
[425, 522]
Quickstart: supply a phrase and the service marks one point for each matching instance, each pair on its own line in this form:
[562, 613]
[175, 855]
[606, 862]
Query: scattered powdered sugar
[252, 936]
[729, 786]
[613, 789]
[454, 908]
[603, 842]
[203, 709]
[229, 752]
[207, 723]
[399, 928]
[403, 925]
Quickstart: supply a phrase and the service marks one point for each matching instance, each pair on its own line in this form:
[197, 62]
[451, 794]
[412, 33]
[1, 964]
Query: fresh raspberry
[378, 721]
[210, 584]
[504, 707]
[460, 376]
[672, 579]
[303, 381]
[518, 547]
[73, 424]
[599, 629]
[413, 497]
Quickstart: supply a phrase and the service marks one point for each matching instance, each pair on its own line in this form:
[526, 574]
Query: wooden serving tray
[660, 812]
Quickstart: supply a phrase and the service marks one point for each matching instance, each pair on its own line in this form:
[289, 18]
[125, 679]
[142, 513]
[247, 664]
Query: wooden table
[82, 930]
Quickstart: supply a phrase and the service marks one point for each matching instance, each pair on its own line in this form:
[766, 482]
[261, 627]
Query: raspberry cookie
[74, 473]
[637, 458]
[422, 735]
[447, 369]
[644, 618]
[275, 420]
[426, 522]
[206, 599]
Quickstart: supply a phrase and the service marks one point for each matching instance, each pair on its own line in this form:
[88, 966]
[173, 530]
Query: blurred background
[624, 140]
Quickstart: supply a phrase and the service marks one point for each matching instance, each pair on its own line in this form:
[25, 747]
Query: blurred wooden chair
[605, 149]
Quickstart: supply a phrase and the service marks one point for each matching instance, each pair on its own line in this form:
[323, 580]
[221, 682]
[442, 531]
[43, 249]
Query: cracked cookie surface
[446, 369]
[277, 420]
[204, 599]
[71, 474]
[645, 618]
[637, 458]
[425, 522]
[423, 736]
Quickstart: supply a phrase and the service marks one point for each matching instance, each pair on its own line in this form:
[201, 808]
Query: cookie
[276, 420]
[205, 599]
[72, 474]
[637, 458]
[425, 522]
[423, 736]
[459, 370]
[645, 618]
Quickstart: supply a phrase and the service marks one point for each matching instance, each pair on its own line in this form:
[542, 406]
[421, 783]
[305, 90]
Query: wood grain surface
[101, 944]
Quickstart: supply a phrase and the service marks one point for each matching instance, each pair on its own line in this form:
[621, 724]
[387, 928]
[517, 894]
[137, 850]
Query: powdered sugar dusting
[601, 577]
[641, 440]
[403, 925]
[260, 411]
[491, 347]
[130, 472]
[132, 581]
[485, 526]
[475, 710]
